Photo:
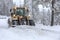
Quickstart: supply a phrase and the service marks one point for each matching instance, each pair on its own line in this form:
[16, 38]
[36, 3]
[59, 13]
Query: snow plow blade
[14, 23]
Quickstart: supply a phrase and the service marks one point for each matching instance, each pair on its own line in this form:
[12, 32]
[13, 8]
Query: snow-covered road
[38, 32]
[26, 34]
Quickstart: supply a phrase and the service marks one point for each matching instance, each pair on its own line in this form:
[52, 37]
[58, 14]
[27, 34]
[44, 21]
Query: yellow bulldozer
[19, 17]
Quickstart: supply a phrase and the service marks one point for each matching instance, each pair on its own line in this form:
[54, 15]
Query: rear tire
[31, 23]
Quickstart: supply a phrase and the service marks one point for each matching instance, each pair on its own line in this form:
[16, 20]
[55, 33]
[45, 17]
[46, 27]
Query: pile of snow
[3, 21]
[3, 17]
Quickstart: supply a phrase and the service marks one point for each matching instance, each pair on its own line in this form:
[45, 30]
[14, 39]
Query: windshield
[20, 12]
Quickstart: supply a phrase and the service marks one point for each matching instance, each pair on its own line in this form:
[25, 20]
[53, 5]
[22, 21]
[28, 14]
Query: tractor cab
[19, 11]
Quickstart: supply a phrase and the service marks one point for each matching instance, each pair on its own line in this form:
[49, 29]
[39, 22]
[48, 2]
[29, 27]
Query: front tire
[14, 22]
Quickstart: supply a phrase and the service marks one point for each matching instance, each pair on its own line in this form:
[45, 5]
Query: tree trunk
[52, 16]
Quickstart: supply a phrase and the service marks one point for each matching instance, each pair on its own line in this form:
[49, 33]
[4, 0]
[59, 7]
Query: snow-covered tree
[5, 6]
[42, 11]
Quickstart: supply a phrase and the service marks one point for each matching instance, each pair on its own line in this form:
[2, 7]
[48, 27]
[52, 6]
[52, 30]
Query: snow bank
[3, 21]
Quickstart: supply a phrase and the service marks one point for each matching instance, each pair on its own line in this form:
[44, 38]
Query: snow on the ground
[49, 28]
[20, 34]
[38, 32]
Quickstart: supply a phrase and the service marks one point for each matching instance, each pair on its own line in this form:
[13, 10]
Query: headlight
[14, 15]
[29, 15]
[25, 8]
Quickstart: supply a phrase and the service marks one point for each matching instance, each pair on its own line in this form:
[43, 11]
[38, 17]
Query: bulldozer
[19, 17]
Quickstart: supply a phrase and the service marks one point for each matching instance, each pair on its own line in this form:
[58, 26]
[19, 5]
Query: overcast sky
[18, 2]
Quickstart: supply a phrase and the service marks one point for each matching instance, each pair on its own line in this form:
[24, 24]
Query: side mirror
[10, 10]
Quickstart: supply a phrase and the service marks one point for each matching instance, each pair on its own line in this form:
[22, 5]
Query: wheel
[9, 22]
[14, 22]
[31, 22]
[13, 26]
